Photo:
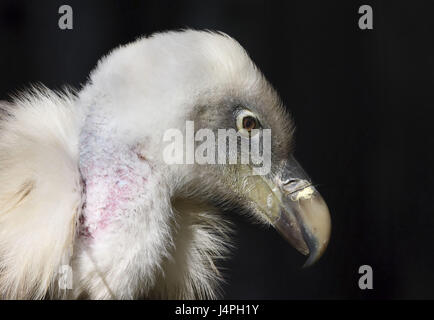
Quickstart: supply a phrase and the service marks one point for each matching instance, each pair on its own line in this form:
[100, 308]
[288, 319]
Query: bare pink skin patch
[114, 177]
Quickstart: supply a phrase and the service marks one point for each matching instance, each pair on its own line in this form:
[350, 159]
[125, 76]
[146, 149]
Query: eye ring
[246, 122]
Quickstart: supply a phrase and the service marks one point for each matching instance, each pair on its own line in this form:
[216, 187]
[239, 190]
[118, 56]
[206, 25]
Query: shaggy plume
[40, 193]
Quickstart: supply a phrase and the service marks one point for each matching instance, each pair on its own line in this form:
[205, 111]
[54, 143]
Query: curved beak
[295, 208]
[305, 221]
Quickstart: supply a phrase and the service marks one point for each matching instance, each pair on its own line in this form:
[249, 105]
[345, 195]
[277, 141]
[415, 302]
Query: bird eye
[246, 122]
[249, 123]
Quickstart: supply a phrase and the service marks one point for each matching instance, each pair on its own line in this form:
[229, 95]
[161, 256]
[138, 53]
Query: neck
[136, 239]
[125, 224]
[115, 178]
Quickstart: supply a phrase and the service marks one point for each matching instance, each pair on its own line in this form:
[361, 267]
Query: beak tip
[311, 260]
[316, 251]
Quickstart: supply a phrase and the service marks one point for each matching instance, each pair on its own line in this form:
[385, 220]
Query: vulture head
[169, 131]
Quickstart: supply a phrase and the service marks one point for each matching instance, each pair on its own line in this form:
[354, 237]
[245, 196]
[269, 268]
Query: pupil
[249, 123]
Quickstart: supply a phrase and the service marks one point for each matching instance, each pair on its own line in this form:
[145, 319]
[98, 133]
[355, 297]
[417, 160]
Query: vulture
[90, 206]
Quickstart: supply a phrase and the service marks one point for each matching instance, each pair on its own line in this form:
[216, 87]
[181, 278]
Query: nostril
[291, 185]
[290, 181]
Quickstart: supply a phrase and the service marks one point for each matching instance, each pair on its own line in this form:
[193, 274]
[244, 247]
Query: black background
[362, 101]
